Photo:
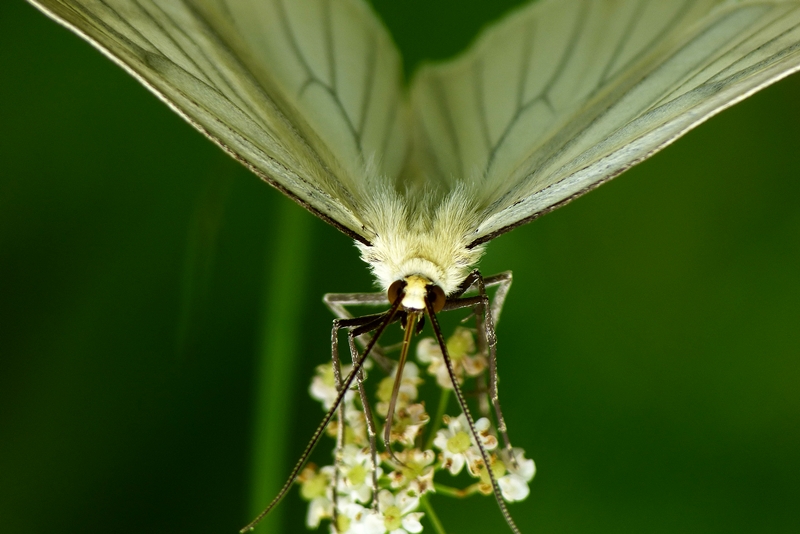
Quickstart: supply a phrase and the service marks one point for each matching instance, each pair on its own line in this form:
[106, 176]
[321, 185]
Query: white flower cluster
[343, 493]
[458, 449]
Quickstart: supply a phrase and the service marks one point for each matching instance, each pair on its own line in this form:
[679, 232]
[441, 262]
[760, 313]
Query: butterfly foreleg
[487, 313]
[369, 419]
[357, 328]
[503, 283]
[352, 325]
[339, 324]
[337, 303]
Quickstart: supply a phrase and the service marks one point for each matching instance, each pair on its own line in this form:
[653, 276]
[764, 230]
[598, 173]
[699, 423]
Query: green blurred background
[649, 350]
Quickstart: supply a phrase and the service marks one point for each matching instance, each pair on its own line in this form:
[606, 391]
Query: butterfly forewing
[528, 75]
[552, 101]
[338, 67]
[307, 94]
[562, 96]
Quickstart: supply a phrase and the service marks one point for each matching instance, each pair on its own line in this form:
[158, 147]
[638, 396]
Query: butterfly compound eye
[437, 297]
[394, 290]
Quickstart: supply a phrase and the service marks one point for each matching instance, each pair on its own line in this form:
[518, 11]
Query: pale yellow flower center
[458, 443]
[342, 523]
[498, 468]
[385, 389]
[392, 518]
[314, 487]
[357, 475]
[460, 344]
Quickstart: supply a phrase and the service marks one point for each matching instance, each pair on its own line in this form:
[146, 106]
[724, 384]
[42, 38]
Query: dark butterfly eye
[395, 290]
[436, 297]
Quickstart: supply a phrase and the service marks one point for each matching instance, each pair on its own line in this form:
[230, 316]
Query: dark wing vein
[711, 86]
[477, 77]
[441, 99]
[671, 25]
[542, 96]
[328, 28]
[525, 63]
[313, 79]
[253, 113]
[559, 150]
[369, 84]
[625, 38]
[743, 59]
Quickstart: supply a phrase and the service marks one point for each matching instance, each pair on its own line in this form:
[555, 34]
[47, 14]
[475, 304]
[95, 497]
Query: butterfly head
[415, 292]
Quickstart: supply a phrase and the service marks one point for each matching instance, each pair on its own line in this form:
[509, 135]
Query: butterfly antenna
[325, 420]
[470, 421]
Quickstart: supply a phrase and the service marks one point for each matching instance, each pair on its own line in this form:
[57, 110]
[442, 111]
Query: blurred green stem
[279, 333]
[431, 515]
[201, 249]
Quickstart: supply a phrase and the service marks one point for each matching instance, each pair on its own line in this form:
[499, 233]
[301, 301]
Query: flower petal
[411, 522]
[513, 487]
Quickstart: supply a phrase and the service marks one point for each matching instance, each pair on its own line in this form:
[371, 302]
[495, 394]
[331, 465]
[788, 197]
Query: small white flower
[355, 519]
[323, 385]
[461, 348]
[355, 429]
[366, 522]
[314, 482]
[514, 485]
[414, 471]
[318, 509]
[323, 389]
[422, 484]
[407, 423]
[398, 512]
[458, 446]
[315, 485]
[483, 426]
[454, 442]
[355, 469]
[405, 395]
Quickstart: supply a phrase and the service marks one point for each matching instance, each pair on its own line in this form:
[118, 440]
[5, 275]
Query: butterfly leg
[337, 302]
[357, 328]
[503, 283]
[351, 324]
[486, 319]
[340, 412]
[372, 431]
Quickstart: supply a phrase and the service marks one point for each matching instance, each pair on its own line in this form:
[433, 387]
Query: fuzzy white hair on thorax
[429, 239]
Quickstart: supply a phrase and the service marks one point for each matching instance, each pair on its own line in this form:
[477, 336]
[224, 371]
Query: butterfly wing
[306, 94]
[563, 96]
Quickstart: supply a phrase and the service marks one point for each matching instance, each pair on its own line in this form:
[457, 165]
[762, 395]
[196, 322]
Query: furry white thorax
[427, 238]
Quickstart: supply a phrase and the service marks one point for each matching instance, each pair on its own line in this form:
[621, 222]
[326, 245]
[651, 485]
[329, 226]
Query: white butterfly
[552, 101]
[548, 104]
